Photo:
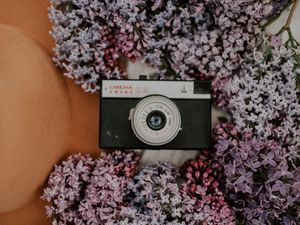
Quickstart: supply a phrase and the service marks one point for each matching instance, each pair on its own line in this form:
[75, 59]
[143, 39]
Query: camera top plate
[141, 88]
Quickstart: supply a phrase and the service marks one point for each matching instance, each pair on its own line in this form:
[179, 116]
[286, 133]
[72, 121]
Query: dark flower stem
[166, 64]
[294, 43]
[276, 15]
[287, 26]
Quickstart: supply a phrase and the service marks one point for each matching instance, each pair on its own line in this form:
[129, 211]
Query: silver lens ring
[141, 128]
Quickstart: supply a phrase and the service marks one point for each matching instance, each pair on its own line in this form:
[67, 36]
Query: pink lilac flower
[262, 182]
[203, 176]
[83, 190]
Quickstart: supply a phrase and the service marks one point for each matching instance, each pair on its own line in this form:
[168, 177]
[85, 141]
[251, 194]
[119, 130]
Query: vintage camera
[151, 114]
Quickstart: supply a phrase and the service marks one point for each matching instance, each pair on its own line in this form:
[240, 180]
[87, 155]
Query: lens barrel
[156, 120]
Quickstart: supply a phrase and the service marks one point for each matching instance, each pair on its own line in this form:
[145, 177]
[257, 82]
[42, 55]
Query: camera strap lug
[130, 114]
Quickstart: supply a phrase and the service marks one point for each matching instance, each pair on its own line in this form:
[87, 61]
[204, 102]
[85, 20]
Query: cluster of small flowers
[204, 174]
[86, 46]
[264, 97]
[239, 29]
[262, 183]
[204, 178]
[110, 190]
[193, 39]
[87, 191]
[154, 197]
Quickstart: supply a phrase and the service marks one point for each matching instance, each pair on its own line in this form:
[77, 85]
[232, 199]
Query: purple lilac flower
[154, 197]
[264, 97]
[261, 180]
[195, 39]
[192, 39]
[83, 190]
[65, 185]
[86, 46]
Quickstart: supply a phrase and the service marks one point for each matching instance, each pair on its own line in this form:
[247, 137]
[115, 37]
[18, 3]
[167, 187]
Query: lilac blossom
[105, 191]
[83, 190]
[85, 42]
[195, 39]
[262, 182]
[264, 97]
[204, 172]
[154, 197]
[192, 39]
[204, 182]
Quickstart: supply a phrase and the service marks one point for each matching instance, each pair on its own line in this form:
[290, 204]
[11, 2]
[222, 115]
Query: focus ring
[140, 125]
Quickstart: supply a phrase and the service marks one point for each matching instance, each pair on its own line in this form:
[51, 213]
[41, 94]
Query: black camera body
[152, 114]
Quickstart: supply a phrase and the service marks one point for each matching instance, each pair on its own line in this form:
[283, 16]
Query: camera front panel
[116, 130]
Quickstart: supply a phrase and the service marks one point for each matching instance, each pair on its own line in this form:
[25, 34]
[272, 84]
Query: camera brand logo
[126, 89]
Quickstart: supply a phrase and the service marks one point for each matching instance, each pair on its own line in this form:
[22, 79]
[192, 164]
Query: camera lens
[156, 120]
